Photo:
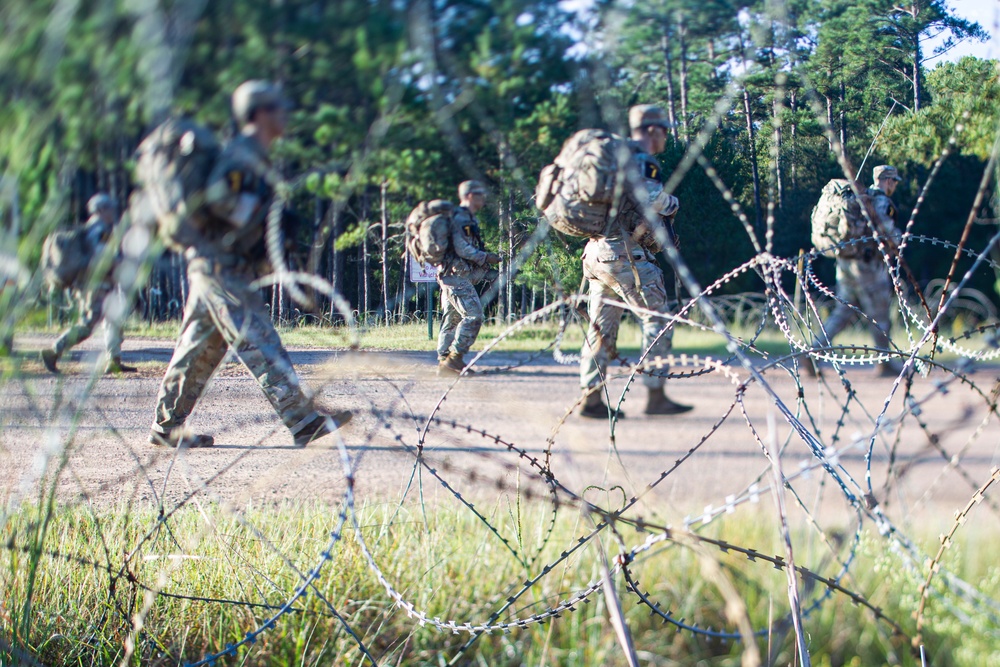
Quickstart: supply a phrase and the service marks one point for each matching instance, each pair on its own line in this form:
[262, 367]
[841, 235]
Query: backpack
[429, 233]
[173, 165]
[65, 257]
[838, 217]
[578, 190]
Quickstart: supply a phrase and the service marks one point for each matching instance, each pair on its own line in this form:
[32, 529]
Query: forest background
[397, 102]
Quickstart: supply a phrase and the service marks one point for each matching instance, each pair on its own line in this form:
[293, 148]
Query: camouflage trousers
[223, 311]
[866, 286]
[462, 315]
[89, 304]
[616, 280]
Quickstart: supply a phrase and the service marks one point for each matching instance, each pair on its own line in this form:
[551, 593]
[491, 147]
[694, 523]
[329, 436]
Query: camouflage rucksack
[428, 230]
[578, 190]
[65, 257]
[173, 164]
[839, 217]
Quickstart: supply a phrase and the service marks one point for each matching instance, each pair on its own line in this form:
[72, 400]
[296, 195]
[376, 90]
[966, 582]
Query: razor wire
[745, 369]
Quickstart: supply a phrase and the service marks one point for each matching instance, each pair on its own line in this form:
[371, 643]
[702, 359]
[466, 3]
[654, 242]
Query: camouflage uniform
[464, 265]
[863, 281]
[617, 267]
[222, 308]
[89, 297]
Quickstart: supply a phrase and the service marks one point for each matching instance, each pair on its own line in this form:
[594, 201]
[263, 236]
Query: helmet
[99, 202]
[254, 94]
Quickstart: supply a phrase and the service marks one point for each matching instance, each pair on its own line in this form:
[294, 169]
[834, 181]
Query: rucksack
[578, 190]
[173, 165]
[838, 217]
[65, 257]
[428, 228]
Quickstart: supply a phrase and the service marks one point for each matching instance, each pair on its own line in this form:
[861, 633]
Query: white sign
[422, 273]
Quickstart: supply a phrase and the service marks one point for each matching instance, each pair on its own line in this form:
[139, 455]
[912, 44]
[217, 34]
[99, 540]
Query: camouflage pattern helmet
[100, 202]
[467, 188]
[885, 171]
[255, 94]
[645, 115]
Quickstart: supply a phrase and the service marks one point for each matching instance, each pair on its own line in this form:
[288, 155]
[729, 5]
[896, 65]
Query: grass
[532, 338]
[446, 563]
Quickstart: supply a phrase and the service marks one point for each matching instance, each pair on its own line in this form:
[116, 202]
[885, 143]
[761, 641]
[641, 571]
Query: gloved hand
[665, 204]
[492, 258]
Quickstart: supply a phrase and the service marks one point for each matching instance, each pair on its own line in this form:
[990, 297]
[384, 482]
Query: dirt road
[95, 428]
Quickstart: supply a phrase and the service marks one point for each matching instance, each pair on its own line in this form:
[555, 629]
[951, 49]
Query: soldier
[90, 292]
[465, 263]
[862, 276]
[223, 309]
[621, 266]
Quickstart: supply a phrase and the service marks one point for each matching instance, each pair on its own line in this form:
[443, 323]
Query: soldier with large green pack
[464, 263]
[224, 310]
[72, 260]
[611, 190]
[863, 281]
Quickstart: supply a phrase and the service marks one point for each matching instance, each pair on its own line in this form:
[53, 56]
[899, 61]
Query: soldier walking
[466, 262]
[90, 291]
[223, 310]
[621, 266]
[863, 280]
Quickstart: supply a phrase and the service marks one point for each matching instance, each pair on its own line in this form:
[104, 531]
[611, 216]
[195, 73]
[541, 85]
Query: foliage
[412, 98]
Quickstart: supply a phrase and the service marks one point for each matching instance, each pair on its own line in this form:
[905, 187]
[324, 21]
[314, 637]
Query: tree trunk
[681, 34]
[829, 118]
[363, 296]
[385, 256]
[778, 172]
[669, 64]
[843, 117]
[795, 145]
[510, 255]
[916, 74]
[752, 137]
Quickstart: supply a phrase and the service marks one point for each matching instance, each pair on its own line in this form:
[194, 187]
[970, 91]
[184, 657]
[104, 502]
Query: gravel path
[108, 460]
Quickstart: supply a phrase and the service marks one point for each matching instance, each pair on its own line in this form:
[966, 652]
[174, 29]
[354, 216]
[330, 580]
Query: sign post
[424, 273]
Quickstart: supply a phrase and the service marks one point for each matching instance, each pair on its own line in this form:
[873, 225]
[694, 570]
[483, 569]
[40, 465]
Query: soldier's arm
[228, 195]
[886, 212]
[460, 243]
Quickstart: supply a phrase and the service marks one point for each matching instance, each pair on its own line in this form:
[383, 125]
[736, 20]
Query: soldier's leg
[239, 313]
[199, 351]
[649, 299]
[450, 317]
[847, 295]
[657, 339]
[89, 305]
[466, 302]
[601, 344]
[876, 299]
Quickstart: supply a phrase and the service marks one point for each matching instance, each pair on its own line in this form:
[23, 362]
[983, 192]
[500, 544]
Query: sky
[987, 14]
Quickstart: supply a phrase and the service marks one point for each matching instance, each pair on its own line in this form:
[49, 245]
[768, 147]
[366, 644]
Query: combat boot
[116, 366]
[594, 408]
[658, 404]
[454, 363]
[321, 426]
[49, 358]
[178, 438]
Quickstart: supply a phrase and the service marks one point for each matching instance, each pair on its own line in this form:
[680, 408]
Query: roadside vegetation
[218, 577]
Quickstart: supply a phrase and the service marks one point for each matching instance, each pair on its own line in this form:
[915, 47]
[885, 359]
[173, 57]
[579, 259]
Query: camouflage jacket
[237, 196]
[887, 213]
[620, 240]
[96, 234]
[466, 254]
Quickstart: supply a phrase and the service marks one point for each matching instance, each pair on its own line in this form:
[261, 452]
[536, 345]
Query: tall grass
[95, 567]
